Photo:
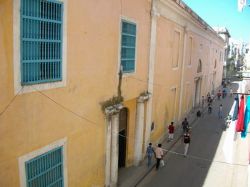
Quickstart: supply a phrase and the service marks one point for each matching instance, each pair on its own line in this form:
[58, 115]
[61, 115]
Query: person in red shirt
[171, 131]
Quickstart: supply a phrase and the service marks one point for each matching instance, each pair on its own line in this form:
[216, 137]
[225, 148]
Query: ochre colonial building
[188, 62]
[86, 85]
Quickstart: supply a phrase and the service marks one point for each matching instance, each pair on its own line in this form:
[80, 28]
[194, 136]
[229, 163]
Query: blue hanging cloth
[236, 108]
[247, 118]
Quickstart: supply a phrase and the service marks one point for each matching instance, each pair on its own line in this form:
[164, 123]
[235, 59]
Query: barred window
[41, 41]
[128, 46]
[46, 169]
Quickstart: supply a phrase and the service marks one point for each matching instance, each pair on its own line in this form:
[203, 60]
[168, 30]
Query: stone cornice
[175, 12]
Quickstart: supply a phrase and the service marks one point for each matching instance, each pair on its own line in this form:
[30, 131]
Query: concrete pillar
[153, 34]
[182, 74]
[108, 151]
[139, 131]
[114, 149]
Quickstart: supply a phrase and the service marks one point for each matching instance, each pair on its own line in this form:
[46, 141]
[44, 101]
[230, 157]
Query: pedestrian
[150, 153]
[158, 155]
[202, 102]
[171, 131]
[208, 96]
[220, 111]
[198, 114]
[185, 125]
[219, 94]
[231, 92]
[224, 93]
[186, 140]
[227, 121]
[209, 108]
[212, 98]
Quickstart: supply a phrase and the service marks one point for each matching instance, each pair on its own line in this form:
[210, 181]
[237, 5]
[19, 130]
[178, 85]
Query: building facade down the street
[87, 85]
[188, 62]
[224, 33]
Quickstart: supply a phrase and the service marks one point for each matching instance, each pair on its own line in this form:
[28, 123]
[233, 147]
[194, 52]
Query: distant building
[224, 33]
[237, 52]
[247, 57]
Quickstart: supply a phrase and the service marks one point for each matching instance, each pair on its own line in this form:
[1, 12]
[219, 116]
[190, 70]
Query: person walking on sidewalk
[220, 111]
[171, 131]
[231, 92]
[150, 153]
[209, 108]
[202, 102]
[158, 155]
[198, 114]
[185, 125]
[219, 94]
[186, 140]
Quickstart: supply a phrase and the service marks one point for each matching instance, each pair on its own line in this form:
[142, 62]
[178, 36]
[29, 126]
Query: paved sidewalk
[131, 176]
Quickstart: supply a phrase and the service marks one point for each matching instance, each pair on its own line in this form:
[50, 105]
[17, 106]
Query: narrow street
[216, 157]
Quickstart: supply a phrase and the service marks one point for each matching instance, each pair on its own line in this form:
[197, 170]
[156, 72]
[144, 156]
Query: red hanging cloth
[240, 122]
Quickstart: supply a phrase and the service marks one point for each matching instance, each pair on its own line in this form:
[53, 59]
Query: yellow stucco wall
[34, 120]
[167, 78]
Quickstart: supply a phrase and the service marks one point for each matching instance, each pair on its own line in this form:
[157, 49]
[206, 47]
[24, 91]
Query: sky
[224, 13]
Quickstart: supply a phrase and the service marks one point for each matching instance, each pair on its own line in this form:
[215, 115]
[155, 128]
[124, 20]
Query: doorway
[122, 137]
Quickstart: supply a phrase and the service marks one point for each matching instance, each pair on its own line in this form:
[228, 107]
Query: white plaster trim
[108, 151]
[133, 21]
[152, 51]
[16, 54]
[182, 72]
[31, 155]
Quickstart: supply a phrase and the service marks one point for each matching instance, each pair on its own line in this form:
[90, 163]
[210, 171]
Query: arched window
[215, 63]
[199, 69]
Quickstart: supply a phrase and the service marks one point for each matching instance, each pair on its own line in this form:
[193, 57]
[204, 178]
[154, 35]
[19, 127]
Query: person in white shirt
[158, 155]
[220, 112]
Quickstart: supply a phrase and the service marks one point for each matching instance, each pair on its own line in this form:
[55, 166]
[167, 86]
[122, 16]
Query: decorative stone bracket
[114, 109]
[144, 97]
[112, 106]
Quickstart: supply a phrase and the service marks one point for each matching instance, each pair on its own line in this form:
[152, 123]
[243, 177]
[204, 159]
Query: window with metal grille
[41, 41]
[45, 170]
[128, 46]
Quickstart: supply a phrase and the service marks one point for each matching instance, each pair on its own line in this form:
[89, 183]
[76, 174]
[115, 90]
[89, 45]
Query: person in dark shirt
[198, 114]
[186, 140]
[171, 131]
[209, 108]
[150, 153]
[185, 125]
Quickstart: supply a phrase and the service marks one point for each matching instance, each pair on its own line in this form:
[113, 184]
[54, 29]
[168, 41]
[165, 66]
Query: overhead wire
[11, 101]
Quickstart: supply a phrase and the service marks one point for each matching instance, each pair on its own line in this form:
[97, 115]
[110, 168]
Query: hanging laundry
[246, 118]
[236, 108]
[240, 122]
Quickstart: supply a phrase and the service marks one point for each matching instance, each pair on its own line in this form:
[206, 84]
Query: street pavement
[216, 157]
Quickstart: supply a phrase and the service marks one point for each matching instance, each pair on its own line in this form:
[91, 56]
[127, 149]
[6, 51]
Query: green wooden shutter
[41, 41]
[128, 46]
[45, 170]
